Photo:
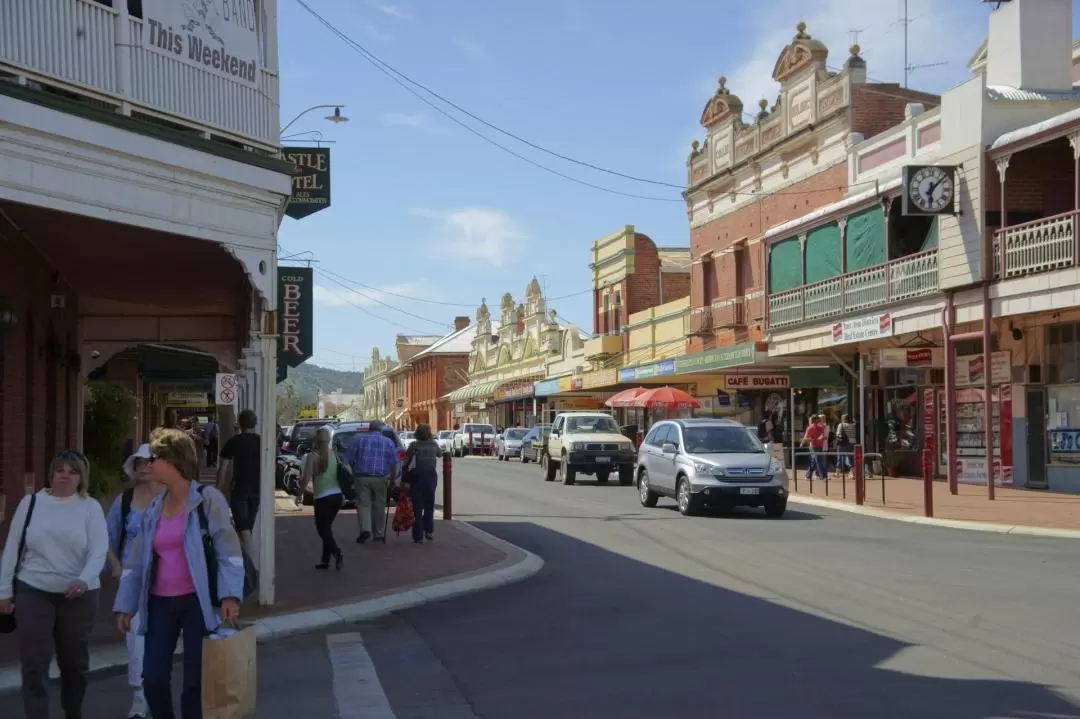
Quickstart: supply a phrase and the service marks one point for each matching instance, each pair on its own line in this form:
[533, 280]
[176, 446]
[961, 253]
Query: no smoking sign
[225, 390]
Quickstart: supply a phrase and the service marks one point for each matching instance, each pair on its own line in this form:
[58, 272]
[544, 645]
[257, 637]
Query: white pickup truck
[474, 439]
[588, 443]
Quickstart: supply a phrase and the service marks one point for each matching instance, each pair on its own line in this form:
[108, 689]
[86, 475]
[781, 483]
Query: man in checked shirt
[372, 456]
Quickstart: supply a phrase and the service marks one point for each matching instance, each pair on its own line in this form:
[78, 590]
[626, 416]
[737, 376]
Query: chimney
[1030, 45]
[460, 323]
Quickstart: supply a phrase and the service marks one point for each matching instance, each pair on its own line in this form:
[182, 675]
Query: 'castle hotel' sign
[310, 180]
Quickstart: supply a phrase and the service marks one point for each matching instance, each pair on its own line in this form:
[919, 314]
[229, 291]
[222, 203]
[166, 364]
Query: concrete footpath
[376, 580]
[1014, 511]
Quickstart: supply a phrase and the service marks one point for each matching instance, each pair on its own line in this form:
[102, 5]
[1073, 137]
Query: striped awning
[474, 391]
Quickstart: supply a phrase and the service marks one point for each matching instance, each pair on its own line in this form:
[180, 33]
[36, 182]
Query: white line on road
[357, 689]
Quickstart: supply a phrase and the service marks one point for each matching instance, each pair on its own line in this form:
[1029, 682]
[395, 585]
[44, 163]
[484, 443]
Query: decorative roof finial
[855, 50]
[695, 145]
[722, 90]
[801, 31]
[763, 103]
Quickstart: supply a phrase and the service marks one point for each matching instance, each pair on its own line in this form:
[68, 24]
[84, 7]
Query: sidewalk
[397, 574]
[1020, 508]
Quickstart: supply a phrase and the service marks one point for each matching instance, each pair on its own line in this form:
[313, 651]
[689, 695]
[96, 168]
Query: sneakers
[139, 708]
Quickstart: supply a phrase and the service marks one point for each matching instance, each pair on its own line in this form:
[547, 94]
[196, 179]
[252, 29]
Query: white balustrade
[93, 50]
[1033, 247]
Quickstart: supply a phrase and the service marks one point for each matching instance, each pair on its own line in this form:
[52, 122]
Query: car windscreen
[721, 440]
[595, 425]
[446, 434]
[406, 435]
[305, 432]
[515, 433]
[478, 429]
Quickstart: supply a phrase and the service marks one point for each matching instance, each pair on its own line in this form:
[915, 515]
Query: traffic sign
[225, 390]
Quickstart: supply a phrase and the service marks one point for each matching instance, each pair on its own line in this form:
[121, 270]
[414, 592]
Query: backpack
[251, 574]
[125, 510]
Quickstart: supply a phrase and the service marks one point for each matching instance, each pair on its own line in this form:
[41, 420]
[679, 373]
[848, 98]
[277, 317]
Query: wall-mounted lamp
[7, 317]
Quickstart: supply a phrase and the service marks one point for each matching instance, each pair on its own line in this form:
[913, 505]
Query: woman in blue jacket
[165, 577]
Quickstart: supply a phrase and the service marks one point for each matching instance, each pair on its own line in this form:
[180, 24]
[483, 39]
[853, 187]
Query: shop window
[909, 234]
[785, 265]
[865, 239]
[901, 419]
[1062, 358]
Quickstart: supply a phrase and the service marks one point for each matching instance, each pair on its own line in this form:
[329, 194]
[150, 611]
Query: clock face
[930, 189]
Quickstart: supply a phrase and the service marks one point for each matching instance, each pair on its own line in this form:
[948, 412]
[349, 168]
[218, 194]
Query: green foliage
[307, 381]
[110, 414]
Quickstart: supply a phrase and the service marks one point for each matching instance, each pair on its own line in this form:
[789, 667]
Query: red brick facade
[39, 376]
[432, 378]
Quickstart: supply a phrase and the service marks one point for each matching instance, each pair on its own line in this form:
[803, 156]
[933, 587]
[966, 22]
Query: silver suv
[709, 462]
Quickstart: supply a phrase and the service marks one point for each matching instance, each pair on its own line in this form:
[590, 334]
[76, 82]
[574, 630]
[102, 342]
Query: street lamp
[336, 118]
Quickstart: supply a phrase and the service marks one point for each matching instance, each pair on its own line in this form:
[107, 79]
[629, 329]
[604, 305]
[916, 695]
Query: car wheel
[549, 469]
[688, 504]
[645, 493]
[569, 476]
[775, 510]
[602, 477]
[523, 458]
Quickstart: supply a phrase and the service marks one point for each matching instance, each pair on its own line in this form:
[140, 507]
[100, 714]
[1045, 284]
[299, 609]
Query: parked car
[445, 439]
[709, 462]
[588, 443]
[475, 439]
[533, 443]
[302, 433]
[407, 437]
[508, 444]
[342, 435]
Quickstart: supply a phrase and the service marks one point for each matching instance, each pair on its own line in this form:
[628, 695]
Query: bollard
[928, 481]
[447, 492]
[857, 474]
[469, 449]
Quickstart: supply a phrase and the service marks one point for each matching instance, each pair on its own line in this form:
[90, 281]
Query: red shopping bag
[403, 513]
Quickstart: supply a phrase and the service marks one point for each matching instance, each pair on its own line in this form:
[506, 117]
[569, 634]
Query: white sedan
[508, 444]
[445, 439]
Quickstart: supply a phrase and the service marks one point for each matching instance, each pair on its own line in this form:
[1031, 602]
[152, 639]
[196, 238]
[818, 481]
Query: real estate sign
[219, 36]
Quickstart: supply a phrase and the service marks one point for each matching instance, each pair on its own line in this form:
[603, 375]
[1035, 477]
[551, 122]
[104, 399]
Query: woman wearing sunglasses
[52, 584]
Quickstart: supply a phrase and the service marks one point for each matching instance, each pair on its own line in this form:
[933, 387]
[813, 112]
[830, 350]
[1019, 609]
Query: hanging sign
[218, 37]
[310, 180]
[295, 314]
[225, 390]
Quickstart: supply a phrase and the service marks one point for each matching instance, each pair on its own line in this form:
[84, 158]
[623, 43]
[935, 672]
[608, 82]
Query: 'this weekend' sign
[310, 181]
[295, 314]
[216, 35]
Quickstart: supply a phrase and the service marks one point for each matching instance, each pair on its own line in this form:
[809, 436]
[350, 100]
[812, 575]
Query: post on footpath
[447, 491]
[469, 449]
[857, 473]
[928, 481]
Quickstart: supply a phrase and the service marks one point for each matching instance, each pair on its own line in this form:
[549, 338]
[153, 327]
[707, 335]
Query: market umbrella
[665, 398]
[625, 398]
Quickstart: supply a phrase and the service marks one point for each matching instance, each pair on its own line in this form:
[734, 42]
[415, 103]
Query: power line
[369, 298]
[376, 316]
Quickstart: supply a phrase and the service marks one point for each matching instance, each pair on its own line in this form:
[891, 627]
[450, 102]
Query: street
[644, 613]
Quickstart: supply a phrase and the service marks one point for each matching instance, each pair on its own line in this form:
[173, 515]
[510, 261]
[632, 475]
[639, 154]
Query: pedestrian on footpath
[50, 574]
[372, 458]
[243, 454]
[211, 443]
[124, 520]
[321, 468]
[816, 436]
[175, 578]
[421, 477]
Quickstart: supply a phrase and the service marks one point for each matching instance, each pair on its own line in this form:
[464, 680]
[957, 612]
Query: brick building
[436, 372]
[398, 381]
[790, 159]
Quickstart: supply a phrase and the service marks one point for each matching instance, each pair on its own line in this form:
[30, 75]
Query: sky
[427, 218]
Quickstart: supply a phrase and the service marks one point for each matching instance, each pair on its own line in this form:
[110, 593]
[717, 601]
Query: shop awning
[474, 391]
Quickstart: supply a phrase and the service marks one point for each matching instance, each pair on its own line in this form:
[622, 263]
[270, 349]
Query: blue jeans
[422, 490]
[817, 464]
[166, 619]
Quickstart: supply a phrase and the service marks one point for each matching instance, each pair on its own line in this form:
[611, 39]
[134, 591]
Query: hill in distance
[309, 380]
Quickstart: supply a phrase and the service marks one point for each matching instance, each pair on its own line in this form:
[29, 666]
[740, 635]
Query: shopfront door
[1035, 404]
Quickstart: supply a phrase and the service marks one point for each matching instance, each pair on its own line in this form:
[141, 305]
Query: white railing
[93, 50]
[896, 281]
[1034, 247]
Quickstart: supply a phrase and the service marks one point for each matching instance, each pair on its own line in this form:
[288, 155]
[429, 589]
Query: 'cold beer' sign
[295, 285]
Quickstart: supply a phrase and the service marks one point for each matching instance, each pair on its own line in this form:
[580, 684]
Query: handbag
[346, 481]
[251, 574]
[7, 621]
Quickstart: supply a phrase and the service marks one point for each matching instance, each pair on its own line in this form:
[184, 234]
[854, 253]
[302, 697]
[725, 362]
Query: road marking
[357, 689]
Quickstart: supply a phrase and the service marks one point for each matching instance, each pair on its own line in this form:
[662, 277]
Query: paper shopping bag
[229, 677]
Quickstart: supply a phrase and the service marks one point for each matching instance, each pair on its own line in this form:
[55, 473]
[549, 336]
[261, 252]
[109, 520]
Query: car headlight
[577, 446]
[776, 467]
[626, 447]
[702, 468]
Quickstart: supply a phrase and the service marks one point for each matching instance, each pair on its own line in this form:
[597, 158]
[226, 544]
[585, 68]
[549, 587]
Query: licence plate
[749, 490]
[603, 460]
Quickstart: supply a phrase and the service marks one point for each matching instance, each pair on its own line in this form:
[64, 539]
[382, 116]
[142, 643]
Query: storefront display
[972, 464]
[1063, 404]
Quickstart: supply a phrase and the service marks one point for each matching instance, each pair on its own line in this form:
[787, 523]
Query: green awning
[474, 391]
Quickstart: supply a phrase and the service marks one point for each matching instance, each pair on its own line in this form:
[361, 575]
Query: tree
[288, 403]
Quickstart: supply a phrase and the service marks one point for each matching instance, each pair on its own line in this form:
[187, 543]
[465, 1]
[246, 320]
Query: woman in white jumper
[52, 588]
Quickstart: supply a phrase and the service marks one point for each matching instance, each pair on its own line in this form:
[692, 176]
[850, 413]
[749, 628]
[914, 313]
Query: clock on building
[929, 190]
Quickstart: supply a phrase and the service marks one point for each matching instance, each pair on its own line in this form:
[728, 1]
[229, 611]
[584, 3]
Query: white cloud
[392, 10]
[471, 47]
[476, 234]
[338, 296]
[948, 33]
[404, 119]
[376, 34]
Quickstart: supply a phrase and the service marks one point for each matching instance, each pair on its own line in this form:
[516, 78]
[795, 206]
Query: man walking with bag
[374, 462]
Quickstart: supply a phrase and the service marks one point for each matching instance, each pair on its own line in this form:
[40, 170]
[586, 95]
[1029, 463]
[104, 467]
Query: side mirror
[669, 448]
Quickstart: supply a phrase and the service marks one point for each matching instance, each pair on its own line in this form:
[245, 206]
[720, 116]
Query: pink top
[172, 577]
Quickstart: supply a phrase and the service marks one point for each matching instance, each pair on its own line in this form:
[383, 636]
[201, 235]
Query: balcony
[698, 323]
[729, 314]
[896, 281]
[603, 346]
[101, 54]
[1034, 247]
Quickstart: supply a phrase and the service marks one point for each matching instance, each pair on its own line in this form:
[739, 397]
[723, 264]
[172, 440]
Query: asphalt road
[645, 613]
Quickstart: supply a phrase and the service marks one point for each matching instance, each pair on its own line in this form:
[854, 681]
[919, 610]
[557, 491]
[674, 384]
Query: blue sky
[424, 209]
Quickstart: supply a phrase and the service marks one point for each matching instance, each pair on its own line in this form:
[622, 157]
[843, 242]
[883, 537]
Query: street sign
[225, 390]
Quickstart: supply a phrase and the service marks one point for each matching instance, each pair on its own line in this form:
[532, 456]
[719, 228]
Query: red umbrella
[665, 398]
[625, 398]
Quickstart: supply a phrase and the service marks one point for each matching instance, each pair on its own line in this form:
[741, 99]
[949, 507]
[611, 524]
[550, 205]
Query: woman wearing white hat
[124, 520]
